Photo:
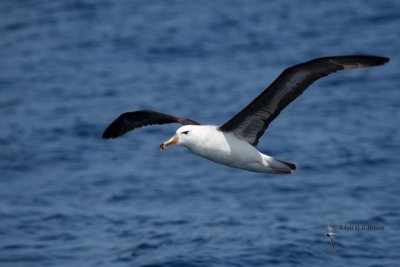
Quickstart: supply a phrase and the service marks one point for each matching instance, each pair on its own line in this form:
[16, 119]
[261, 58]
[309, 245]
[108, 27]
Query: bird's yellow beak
[171, 142]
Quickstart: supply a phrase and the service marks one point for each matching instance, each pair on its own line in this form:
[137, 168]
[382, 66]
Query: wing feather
[131, 120]
[251, 123]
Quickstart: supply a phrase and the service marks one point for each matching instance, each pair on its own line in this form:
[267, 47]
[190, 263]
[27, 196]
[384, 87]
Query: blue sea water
[70, 198]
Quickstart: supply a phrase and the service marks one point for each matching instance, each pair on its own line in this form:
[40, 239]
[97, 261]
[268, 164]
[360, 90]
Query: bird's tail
[279, 166]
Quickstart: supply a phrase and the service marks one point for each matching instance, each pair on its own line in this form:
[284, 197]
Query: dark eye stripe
[185, 132]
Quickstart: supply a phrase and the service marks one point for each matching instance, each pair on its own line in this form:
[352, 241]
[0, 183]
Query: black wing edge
[131, 120]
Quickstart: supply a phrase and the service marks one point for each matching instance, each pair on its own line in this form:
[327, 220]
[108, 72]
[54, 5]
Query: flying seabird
[331, 235]
[234, 142]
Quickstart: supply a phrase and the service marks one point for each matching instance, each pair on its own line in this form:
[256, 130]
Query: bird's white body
[226, 148]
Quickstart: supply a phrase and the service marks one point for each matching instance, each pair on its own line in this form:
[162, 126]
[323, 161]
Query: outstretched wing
[131, 120]
[253, 120]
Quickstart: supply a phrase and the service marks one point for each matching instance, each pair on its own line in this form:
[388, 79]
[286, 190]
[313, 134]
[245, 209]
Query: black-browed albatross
[234, 142]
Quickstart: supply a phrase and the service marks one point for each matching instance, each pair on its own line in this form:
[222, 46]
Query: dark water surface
[69, 198]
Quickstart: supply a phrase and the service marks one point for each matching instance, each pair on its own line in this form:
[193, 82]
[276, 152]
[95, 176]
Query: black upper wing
[253, 120]
[131, 120]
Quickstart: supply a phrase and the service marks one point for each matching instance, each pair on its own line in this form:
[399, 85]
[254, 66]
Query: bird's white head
[185, 135]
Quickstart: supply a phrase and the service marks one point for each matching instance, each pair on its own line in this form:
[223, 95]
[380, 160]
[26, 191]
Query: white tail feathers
[279, 166]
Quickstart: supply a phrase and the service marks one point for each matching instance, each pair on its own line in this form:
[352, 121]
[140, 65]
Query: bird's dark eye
[185, 132]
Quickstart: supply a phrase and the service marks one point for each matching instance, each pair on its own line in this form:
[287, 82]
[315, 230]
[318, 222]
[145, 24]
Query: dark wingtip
[109, 133]
[114, 130]
[377, 60]
[356, 61]
[385, 59]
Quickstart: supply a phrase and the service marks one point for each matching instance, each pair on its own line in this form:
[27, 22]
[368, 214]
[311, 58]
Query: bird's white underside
[226, 148]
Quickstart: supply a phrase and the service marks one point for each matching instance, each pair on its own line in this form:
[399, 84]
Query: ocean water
[70, 198]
